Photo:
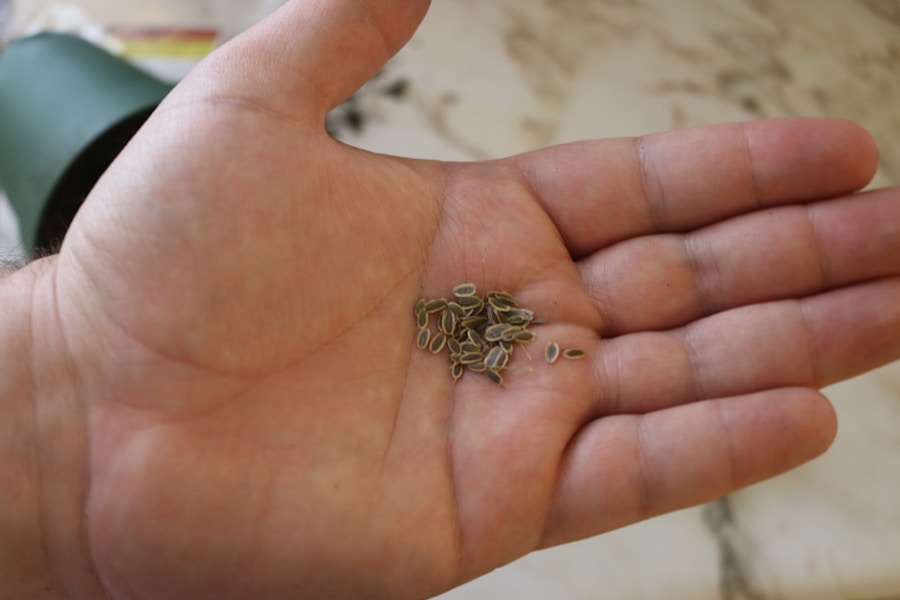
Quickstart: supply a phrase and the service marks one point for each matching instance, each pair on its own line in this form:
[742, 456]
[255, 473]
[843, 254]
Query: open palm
[237, 296]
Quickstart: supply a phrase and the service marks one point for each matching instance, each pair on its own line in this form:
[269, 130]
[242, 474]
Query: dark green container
[67, 108]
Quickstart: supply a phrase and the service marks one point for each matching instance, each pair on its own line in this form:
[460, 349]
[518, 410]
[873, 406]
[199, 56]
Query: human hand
[236, 300]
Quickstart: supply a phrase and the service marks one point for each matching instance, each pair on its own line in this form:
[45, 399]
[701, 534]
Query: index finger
[602, 192]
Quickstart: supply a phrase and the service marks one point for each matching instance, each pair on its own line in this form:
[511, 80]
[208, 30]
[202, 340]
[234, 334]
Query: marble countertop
[487, 79]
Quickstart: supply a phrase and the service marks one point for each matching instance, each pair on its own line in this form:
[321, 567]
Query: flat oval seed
[471, 358]
[465, 289]
[471, 303]
[448, 322]
[510, 333]
[506, 346]
[574, 353]
[456, 370]
[433, 306]
[420, 306]
[469, 347]
[494, 376]
[456, 308]
[422, 339]
[494, 333]
[478, 367]
[496, 359]
[454, 345]
[551, 352]
[437, 343]
[523, 337]
[422, 320]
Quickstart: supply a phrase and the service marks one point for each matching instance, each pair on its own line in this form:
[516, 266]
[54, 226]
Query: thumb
[310, 55]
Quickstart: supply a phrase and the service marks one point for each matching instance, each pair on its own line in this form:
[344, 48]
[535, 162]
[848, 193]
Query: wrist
[43, 551]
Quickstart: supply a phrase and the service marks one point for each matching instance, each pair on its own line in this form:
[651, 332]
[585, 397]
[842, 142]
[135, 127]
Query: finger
[661, 282]
[312, 54]
[624, 469]
[599, 193]
[811, 342]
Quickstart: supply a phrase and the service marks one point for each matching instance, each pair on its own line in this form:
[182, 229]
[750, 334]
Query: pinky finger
[622, 469]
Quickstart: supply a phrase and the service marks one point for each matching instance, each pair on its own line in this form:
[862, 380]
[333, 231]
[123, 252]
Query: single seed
[437, 343]
[437, 305]
[474, 338]
[456, 370]
[422, 339]
[471, 303]
[465, 289]
[516, 319]
[574, 353]
[448, 322]
[478, 367]
[454, 346]
[471, 357]
[509, 334]
[496, 359]
[494, 333]
[506, 346]
[470, 347]
[493, 316]
[551, 352]
[494, 376]
[422, 320]
[457, 309]
[524, 336]
[472, 321]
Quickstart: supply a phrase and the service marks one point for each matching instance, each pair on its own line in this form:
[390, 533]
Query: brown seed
[422, 320]
[574, 353]
[457, 309]
[478, 367]
[472, 304]
[494, 333]
[422, 339]
[470, 347]
[456, 370]
[437, 305]
[448, 322]
[509, 334]
[437, 343]
[496, 358]
[474, 338]
[465, 289]
[420, 306]
[494, 376]
[551, 352]
[523, 337]
[506, 346]
[471, 357]
[454, 346]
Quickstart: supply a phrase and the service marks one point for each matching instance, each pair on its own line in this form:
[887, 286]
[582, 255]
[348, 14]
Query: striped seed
[471, 357]
[465, 289]
[506, 346]
[470, 347]
[474, 338]
[551, 352]
[448, 322]
[472, 304]
[574, 353]
[456, 370]
[494, 376]
[525, 336]
[454, 346]
[422, 320]
[422, 339]
[436, 305]
[437, 343]
[472, 321]
[457, 309]
[478, 367]
[496, 358]
[509, 334]
[494, 333]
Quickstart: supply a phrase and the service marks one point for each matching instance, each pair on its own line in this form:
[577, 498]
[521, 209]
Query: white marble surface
[486, 79]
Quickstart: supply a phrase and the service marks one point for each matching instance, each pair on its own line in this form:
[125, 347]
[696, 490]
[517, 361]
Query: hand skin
[213, 390]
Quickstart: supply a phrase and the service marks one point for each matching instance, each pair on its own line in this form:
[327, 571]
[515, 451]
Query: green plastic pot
[67, 108]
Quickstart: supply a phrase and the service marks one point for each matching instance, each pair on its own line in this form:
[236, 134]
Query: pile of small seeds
[479, 332]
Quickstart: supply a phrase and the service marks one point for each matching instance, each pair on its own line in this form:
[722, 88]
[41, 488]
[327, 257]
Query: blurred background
[487, 79]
